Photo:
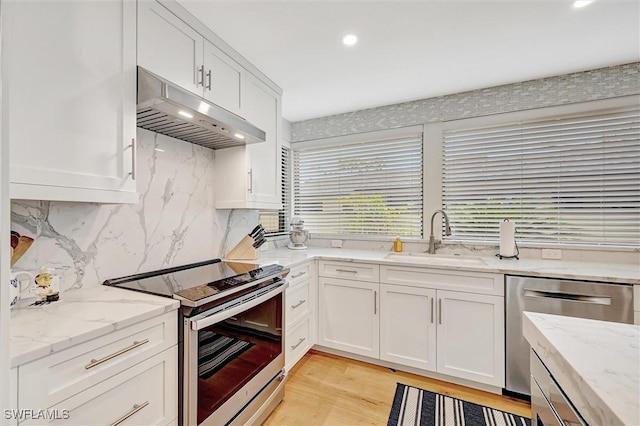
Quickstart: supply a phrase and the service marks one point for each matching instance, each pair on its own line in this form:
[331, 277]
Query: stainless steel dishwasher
[582, 299]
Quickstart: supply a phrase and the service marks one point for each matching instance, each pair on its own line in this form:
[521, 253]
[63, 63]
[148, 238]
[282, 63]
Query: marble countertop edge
[593, 386]
[80, 316]
[606, 272]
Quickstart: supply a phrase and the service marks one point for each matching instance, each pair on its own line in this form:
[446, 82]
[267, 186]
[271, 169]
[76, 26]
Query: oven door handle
[204, 322]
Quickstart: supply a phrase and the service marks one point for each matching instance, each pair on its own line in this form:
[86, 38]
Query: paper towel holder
[515, 256]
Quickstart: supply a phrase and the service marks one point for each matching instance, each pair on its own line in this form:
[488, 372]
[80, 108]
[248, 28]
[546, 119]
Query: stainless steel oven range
[231, 337]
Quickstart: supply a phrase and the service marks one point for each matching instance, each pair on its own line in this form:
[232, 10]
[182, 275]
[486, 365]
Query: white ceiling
[411, 50]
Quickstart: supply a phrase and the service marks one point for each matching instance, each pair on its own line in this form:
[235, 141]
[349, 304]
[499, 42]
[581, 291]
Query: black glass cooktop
[198, 281]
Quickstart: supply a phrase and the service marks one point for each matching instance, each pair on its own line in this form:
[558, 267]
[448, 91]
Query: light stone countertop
[85, 314]
[607, 272]
[596, 363]
[80, 315]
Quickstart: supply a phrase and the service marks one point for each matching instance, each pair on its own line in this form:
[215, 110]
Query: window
[364, 185]
[570, 180]
[277, 222]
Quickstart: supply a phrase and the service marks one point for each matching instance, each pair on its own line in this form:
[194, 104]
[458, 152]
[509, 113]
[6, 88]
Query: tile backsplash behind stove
[174, 222]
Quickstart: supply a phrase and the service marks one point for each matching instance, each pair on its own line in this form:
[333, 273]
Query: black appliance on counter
[230, 337]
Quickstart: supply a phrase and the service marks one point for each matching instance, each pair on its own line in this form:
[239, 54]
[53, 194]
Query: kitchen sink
[430, 259]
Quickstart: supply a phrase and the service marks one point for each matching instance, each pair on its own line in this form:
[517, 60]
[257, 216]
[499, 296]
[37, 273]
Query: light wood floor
[324, 389]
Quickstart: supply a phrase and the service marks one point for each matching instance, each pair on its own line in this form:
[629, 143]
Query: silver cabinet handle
[375, 302]
[572, 297]
[250, 173]
[96, 362]
[134, 158]
[201, 72]
[439, 311]
[432, 310]
[347, 270]
[293, 277]
[299, 343]
[297, 304]
[131, 412]
[209, 80]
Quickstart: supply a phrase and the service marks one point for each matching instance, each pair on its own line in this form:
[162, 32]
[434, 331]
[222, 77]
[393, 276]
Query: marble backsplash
[174, 223]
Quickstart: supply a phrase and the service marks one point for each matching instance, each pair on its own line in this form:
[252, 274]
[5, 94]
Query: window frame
[538, 114]
[378, 135]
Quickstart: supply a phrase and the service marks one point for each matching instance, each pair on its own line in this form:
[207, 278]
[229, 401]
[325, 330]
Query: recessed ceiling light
[185, 114]
[581, 3]
[350, 39]
[238, 136]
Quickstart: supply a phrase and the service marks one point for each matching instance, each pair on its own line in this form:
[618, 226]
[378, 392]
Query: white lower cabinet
[300, 313]
[471, 336]
[348, 316]
[129, 376]
[444, 321]
[408, 326]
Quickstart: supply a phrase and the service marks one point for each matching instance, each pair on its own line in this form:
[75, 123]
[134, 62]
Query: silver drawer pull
[346, 270]
[298, 344]
[297, 304]
[293, 277]
[131, 412]
[96, 362]
[571, 297]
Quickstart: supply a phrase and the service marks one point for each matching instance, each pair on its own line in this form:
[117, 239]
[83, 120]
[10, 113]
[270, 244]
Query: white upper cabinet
[70, 98]
[169, 47]
[248, 176]
[223, 79]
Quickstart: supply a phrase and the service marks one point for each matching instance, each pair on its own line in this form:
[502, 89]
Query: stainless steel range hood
[170, 110]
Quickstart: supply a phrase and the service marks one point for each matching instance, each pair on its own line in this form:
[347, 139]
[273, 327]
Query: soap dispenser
[397, 245]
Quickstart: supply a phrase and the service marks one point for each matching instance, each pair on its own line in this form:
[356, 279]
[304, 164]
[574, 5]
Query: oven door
[233, 357]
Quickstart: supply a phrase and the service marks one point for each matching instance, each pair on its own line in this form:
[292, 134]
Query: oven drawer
[298, 341]
[146, 393]
[298, 303]
[299, 274]
[349, 270]
[54, 378]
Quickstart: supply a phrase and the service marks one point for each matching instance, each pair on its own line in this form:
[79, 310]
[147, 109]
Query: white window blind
[567, 180]
[277, 222]
[372, 187]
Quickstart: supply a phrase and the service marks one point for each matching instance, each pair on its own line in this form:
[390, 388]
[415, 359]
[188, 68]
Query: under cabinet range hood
[170, 110]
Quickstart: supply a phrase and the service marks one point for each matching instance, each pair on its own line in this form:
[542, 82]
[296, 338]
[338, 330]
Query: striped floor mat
[413, 406]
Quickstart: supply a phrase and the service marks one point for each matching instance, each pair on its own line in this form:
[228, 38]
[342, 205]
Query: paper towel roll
[507, 238]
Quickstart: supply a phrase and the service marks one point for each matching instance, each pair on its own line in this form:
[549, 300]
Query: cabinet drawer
[47, 381]
[298, 341]
[469, 282]
[350, 270]
[146, 392]
[299, 274]
[298, 303]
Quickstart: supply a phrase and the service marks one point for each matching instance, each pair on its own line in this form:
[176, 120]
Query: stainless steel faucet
[447, 230]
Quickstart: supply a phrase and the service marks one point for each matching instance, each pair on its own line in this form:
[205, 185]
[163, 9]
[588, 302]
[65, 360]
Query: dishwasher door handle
[585, 298]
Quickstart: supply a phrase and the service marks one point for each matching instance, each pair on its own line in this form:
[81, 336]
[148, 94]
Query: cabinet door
[223, 79]
[262, 108]
[407, 326]
[71, 84]
[471, 336]
[348, 316]
[169, 47]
